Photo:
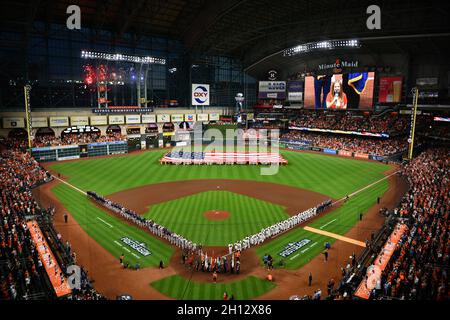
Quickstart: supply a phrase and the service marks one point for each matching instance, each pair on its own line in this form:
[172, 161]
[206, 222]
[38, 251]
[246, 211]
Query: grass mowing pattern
[185, 216]
[332, 176]
[181, 289]
[340, 221]
[109, 230]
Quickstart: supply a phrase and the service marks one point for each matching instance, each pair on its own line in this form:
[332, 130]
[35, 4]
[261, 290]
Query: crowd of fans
[418, 268]
[22, 275]
[75, 139]
[346, 122]
[376, 146]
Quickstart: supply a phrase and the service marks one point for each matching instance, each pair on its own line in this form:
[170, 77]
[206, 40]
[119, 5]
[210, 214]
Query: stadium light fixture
[121, 57]
[321, 45]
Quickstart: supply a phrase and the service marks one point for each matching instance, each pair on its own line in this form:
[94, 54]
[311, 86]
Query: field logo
[200, 94]
[293, 247]
[139, 247]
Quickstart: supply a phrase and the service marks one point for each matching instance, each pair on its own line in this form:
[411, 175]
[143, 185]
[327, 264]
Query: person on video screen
[337, 99]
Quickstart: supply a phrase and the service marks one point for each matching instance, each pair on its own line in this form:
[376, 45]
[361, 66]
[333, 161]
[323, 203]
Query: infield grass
[185, 216]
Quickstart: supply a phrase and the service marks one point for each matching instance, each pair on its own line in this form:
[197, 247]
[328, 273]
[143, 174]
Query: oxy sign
[200, 94]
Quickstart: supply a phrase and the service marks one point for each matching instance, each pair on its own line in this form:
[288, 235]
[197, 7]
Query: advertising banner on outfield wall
[79, 121]
[202, 117]
[330, 151]
[163, 118]
[39, 122]
[11, 123]
[99, 120]
[345, 153]
[148, 118]
[190, 117]
[59, 122]
[376, 158]
[177, 117]
[361, 156]
[214, 117]
[133, 119]
[116, 119]
[200, 94]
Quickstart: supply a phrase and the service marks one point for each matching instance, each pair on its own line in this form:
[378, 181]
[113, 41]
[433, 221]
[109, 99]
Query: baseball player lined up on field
[278, 228]
[184, 243]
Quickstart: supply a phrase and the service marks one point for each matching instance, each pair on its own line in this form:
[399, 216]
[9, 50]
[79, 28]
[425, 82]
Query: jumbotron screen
[340, 91]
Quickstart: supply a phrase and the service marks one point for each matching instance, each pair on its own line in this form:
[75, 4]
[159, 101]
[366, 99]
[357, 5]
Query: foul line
[336, 236]
[366, 187]
[327, 224]
[72, 186]
[104, 222]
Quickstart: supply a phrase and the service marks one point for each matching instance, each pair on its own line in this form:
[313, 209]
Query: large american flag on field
[183, 157]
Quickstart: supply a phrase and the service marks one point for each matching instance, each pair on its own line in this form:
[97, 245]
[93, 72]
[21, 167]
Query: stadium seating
[22, 276]
[418, 267]
[73, 139]
[353, 122]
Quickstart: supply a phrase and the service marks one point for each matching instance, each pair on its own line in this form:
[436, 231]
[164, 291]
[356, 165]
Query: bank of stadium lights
[121, 57]
[321, 45]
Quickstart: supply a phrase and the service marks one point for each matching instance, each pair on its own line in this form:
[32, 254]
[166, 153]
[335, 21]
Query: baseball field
[185, 199]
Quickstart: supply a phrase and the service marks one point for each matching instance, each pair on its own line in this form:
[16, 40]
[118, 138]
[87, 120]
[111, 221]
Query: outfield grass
[108, 230]
[339, 221]
[332, 176]
[185, 216]
[181, 289]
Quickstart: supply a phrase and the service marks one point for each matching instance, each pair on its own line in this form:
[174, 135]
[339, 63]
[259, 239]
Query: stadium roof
[247, 29]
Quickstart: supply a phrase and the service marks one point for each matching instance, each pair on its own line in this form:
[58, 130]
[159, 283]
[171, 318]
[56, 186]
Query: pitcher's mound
[216, 215]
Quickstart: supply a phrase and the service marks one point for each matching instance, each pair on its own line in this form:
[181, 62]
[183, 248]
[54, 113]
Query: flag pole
[413, 123]
[27, 90]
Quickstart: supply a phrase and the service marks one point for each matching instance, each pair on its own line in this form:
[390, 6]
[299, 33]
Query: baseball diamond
[177, 198]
